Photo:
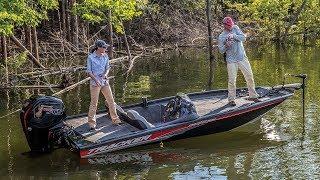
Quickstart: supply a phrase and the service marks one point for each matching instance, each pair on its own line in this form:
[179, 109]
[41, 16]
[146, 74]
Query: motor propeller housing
[41, 118]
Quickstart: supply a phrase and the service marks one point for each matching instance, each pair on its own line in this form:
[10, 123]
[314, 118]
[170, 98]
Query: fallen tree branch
[132, 62]
[75, 85]
[34, 59]
[60, 72]
[33, 87]
[71, 87]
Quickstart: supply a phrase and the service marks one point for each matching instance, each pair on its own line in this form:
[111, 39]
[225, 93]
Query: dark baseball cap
[101, 43]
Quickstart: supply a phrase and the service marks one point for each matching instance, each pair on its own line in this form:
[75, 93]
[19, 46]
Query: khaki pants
[109, 101]
[245, 68]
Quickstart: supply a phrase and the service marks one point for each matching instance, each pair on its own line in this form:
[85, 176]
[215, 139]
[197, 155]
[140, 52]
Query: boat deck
[206, 104]
[220, 104]
[104, 130]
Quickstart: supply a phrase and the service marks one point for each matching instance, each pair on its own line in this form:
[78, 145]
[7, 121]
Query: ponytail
[94, 48]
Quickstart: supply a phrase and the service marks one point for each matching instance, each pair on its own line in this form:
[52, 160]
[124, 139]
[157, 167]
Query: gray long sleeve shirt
[236, 51]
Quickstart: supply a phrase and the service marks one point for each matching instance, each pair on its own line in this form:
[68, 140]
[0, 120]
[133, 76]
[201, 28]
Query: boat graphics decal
[135, 141]
[117, 145]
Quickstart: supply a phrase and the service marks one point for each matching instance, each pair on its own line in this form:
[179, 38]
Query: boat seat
[135, 116]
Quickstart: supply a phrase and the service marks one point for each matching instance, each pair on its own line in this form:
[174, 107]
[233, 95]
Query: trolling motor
[41, 118]
[303, 84]
[303, 87]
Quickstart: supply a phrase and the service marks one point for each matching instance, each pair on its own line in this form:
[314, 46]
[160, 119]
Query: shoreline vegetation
[41, 39]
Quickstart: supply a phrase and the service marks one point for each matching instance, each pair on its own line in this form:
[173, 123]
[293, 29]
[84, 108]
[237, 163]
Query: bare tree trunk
[87, 30]
[1, 50]
[63, 20]
[211, 56]
[60, 23]
[84, 37]
[294, 19]
[75, 27]
[67, 13]
[304, 35]
[5, 57]
[109, 38]
[20, 45]
[35, 43]
[28, 38]
[127, 44]
[278, 34]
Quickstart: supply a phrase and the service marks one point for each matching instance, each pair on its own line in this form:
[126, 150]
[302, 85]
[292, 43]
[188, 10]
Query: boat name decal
[119, 144]
[200, 123]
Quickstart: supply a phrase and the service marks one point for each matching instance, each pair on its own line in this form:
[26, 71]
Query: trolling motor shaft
[303, 87]
[303, 84]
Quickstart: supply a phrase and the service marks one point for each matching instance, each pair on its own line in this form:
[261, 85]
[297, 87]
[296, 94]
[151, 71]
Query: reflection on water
[10, 163]
[280, 145]
[200, 172]
[270, 130]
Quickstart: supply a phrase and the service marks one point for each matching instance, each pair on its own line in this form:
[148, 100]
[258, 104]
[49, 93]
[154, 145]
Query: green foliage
[192, 5]
[272, 17]
[139, 88]
[23, 12]
[95, 11]
[17, 61]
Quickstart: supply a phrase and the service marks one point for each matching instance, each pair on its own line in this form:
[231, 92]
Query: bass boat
[47, 127]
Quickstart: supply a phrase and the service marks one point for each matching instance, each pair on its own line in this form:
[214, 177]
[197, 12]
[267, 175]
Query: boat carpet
[104, 130]
[209, 106]
[219, 104]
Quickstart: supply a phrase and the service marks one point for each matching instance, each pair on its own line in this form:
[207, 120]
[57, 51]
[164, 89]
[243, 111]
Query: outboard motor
[41, 118]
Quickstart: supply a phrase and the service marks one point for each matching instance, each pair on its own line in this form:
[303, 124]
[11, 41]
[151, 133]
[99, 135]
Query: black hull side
[224, 124]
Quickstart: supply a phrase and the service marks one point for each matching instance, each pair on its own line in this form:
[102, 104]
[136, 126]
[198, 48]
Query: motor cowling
[41, 118]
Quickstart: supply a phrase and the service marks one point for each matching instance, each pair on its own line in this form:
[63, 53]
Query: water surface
[280, 145]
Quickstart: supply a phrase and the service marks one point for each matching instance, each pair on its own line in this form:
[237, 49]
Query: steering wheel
[171, 110]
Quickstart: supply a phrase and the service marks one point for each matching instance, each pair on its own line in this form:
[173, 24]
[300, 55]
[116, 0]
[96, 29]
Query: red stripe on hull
[165, 132]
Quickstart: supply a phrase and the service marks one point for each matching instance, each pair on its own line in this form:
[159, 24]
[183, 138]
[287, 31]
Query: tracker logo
[53, 111]
[47, 109]
[118, 145]
[200, 123]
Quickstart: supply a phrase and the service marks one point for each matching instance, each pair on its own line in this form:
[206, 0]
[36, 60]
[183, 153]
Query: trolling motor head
[301, 76]
[41, 118]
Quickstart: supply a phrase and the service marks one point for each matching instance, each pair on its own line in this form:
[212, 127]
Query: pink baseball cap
[228, 21]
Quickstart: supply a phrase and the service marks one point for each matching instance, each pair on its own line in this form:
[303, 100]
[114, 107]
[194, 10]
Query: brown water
[280, 145]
